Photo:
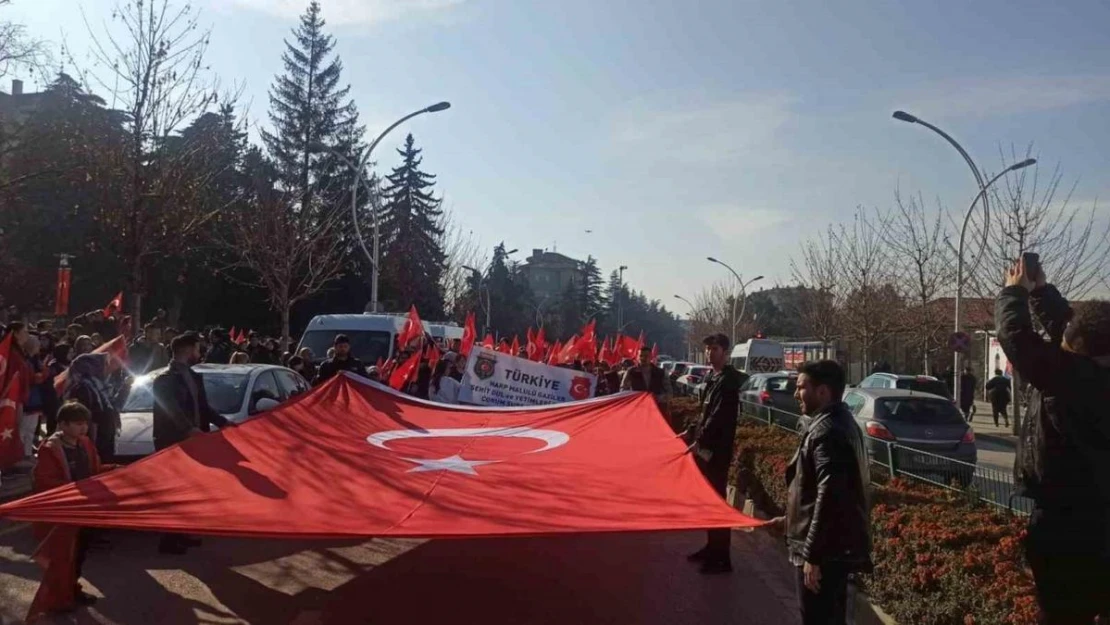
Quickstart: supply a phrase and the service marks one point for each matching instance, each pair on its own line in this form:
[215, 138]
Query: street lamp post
[981, 195]
[743, 293]
[359, 168]
[484, 279]
[693, 311]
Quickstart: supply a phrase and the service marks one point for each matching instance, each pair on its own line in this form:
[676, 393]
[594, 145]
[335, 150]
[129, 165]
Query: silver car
[234, 391]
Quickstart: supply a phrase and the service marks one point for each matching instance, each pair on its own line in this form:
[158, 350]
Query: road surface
[588, 579]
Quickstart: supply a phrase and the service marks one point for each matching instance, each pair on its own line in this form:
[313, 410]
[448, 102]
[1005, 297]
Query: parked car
[685, 384]
[766, 395]
[916, 421]
[920, 383]
[676, 369]
[235, 391]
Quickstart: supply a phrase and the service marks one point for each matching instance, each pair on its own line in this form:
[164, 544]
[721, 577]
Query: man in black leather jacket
[827, 519]
[1063, 454]
[712, 440]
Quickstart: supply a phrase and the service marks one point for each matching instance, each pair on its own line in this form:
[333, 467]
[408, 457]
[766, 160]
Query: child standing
[69, 456]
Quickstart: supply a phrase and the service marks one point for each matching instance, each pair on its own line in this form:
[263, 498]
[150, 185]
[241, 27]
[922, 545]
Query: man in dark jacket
[343, 361]
[181, 411]
[712, 440]
[219, 347]
[827, 517]
[998, 392]
[1062, 461]
[967, 394]
[647, 377]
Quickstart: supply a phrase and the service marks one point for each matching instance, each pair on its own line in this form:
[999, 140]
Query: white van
[372, 335]
[758, 356]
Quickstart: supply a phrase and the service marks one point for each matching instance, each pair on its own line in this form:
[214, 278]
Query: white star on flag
[455, 464]
[7, 434]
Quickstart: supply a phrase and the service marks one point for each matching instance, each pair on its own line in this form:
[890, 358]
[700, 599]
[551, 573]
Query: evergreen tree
[413, 259]
[314, 118]
[593, 298]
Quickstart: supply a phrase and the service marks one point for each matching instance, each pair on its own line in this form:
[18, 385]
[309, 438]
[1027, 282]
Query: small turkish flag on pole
[400, 375]
[470, 334]
[412, 329]
[114, 305]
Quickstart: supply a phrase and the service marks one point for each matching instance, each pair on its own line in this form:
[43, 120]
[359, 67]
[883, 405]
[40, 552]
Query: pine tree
[313, 118]
[413, 259]
[593, 299]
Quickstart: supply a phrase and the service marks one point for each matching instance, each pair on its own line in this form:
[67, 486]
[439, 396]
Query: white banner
[496, 379]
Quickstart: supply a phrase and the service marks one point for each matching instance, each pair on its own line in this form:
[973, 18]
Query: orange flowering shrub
[939, 558]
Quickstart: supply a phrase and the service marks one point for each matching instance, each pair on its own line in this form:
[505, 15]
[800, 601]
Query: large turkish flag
[353, 459]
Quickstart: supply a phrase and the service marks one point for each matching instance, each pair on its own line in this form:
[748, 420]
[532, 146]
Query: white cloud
[738, 223]
[1002, 96]
[714, 133]
[345, 12]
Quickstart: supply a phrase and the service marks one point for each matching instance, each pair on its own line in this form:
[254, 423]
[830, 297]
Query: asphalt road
[588, 579]
[995, 456]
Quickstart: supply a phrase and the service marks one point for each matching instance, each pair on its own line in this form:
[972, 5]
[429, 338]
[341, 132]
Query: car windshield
[366, 345]
[699, 371]
[679, 369]
[225, 392]
[922, 410]
[785, 385]
[924, 385]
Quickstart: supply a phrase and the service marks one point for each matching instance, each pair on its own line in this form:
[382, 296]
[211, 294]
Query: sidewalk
[985, 428]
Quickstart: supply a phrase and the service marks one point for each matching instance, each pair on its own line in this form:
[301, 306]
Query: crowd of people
[1061, 462]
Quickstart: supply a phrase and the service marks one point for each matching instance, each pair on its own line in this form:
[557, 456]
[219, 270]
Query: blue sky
[676, 130]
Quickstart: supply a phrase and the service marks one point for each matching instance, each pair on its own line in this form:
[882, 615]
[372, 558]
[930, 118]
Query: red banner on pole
[61, 296]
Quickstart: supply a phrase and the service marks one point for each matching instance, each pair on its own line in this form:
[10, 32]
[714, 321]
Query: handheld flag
[469, 335]
[113, 306]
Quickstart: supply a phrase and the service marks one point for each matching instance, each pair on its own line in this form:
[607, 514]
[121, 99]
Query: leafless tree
[821, 277]
[1031, 212]
[19, 50]
[153, 63]
[289, 252]
[872, 307]
[462, 250]
[924, 266]
[712, 312]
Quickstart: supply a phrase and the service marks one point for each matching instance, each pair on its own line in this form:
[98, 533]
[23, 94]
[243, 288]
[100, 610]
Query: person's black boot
[82, 597]
[699, 555]
[716, 567]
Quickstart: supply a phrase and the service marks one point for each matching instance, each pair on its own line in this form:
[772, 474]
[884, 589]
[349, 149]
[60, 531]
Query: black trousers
[829, 605]
[1068, 552]
[1000, 410]
[80, 552]
[715, 471]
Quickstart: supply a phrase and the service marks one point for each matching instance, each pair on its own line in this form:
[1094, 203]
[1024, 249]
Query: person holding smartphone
[1062, 459]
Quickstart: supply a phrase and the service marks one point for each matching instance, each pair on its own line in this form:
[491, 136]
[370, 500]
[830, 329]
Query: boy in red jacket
[67, 456]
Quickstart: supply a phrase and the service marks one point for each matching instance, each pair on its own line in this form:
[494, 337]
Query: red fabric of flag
[488, 342]
[605, 355]
[556, 350]
[654, 353]
[114, 305]
[629, 348]
[403, 372]
[541, 345]
[351, 459]
[470, 334]
[12, 380]
[514, 350]
[412, 330]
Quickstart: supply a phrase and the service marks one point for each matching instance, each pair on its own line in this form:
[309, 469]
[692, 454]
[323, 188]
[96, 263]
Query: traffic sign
[959, 342]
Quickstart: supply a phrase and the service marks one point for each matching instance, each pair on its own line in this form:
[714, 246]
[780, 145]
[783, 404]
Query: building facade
[549, 274]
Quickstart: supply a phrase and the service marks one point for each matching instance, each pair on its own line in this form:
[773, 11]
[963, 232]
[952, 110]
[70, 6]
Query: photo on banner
[496, 379]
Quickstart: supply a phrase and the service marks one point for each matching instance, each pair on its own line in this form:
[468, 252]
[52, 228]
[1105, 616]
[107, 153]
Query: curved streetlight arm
[975, 171]
[744, 294]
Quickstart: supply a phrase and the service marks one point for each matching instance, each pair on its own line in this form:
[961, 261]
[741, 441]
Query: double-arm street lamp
[980, 196]
[483, 279]
[359, 168]
[743, 293]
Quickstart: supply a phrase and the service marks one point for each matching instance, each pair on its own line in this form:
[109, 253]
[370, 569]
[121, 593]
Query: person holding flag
[650, 378]
[342, 361]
